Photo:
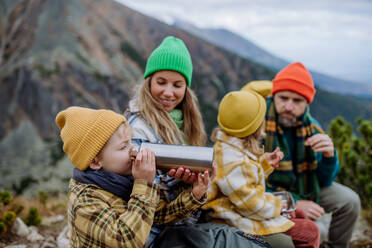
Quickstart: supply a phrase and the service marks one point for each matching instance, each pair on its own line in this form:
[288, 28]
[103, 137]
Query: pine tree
[355, 155]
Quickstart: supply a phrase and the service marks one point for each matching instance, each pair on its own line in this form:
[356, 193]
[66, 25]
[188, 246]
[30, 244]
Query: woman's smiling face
[168, 88]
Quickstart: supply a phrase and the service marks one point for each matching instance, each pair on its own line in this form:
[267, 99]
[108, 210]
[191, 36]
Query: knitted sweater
[237, 195]
[98, 218]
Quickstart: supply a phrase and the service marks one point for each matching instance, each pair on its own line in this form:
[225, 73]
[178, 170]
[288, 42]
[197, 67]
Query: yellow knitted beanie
[262, 87]
[85, 131]
[241, 113]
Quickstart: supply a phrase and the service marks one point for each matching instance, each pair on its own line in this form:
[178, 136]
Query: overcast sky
[330, 36]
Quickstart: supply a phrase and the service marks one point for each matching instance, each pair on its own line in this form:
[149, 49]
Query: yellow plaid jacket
[97, 218]
[237, 195]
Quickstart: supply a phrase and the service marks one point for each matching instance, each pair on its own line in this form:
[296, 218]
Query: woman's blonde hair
[250, 143]
[163, 125]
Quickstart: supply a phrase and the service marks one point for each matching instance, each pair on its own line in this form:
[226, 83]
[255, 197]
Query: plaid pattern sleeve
[98, 218]
[178, 209]
[243, 183]
[267, 168]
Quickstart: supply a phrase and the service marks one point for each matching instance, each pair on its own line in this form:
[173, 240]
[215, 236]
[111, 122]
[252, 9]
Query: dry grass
[54, 205]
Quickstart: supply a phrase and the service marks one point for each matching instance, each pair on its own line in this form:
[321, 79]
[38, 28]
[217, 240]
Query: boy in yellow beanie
[112, 200]
[237, 195]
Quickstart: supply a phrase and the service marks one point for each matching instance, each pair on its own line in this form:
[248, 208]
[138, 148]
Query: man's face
[289, 106]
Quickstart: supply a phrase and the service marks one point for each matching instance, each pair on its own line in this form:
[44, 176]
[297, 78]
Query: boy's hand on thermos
[144, 166]
[200, 186]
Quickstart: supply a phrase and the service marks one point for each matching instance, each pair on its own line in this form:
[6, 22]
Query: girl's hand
[274, 157]
[200, 186]
[144, 166]
[184, 174]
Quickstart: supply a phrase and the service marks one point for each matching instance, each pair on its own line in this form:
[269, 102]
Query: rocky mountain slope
[91, 53]
[54, 54]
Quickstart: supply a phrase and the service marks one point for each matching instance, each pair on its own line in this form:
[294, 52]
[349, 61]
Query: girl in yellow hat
[238, 196]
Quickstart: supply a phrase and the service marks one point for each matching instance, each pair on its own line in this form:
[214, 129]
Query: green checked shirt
[98, 218]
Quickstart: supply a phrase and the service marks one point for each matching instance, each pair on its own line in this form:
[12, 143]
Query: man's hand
[312, 210]
[321, 143]
[274, 157]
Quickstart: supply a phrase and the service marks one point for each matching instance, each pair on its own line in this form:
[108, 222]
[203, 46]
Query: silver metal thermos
[196, 158]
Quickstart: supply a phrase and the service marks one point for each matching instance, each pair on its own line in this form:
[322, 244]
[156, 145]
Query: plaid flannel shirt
[98, 218]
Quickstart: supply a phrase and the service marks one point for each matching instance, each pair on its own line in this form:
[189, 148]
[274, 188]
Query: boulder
[34, 235]
[63, 239]
[20, 228]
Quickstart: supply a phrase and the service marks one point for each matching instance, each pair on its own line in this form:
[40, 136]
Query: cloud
[317, 31]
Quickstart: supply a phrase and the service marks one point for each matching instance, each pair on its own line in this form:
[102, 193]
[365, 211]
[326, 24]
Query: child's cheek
[132, 155]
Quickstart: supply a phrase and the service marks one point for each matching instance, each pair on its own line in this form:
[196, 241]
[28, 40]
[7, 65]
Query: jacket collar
[133, 106]
[235, 142]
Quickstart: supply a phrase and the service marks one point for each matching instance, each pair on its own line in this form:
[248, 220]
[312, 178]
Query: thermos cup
[288, 201]
[196, 158]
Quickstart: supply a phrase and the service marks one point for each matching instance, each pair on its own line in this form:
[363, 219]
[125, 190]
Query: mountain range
[92, 53]
[247, 49]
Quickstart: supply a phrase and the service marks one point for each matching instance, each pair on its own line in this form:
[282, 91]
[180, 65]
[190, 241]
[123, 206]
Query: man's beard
[286, 121]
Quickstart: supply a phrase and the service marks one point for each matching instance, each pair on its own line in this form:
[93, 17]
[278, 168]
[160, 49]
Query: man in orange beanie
[310, 162]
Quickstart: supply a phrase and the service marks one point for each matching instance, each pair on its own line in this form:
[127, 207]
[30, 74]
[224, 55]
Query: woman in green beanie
[165, 100]
[165, 110]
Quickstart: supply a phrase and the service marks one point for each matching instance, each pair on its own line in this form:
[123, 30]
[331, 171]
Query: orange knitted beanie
[295, 77]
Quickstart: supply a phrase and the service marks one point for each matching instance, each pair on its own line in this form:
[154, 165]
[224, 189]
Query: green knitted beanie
[172, 55]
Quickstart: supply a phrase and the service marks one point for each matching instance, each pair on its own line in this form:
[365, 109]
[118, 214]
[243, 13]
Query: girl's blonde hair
[251, 142]
[163, 125]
